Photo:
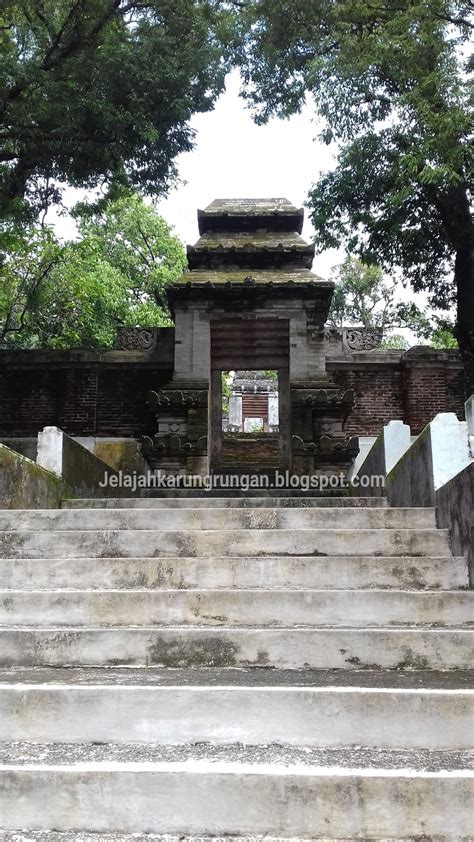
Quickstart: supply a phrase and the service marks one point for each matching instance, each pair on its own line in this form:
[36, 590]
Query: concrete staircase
[290, 667]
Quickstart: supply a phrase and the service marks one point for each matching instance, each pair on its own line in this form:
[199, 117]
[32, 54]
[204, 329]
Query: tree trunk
[464, 279]
[458, 223]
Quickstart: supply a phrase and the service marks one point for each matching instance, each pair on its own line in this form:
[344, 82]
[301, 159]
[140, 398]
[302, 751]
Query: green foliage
[137, 243]
[390, 81]
[443, 337]
[28, 260]
[270, 374]
[100, 92]
[396, 342]
[363, 297]
[438, 332]
[76, 294]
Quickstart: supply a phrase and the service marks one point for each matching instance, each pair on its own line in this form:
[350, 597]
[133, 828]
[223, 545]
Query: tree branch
[145, 240]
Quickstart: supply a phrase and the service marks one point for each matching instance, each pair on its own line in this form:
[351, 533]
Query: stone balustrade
[436, 469]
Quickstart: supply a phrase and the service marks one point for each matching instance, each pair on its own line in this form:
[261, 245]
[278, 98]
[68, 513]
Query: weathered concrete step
[151, 676]
[284, 648]
[216, 518]
[69, 754]
[209, 502]
[231, 572]
[265, 608]
[84, 836]
[266, 488]
[199, 796]
[307, 716]
[211, 543]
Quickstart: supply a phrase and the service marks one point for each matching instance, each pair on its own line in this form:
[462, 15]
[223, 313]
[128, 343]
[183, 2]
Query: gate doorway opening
[250, 419]
[249, 428]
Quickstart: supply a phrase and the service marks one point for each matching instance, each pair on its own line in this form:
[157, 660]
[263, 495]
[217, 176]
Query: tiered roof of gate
[251, 242]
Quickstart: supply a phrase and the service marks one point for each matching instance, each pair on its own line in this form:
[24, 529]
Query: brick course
[104, 393]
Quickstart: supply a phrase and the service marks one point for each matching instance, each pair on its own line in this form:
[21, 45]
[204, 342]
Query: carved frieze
[322, 398]
[336, 448]
[137, 338]
[177, 399]
[173, 445]
[354, 338]
[362, 339]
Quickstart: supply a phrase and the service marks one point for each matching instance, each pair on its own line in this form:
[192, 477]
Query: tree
[100, 92]
[363, 297]
[28, 259]
[389, 79]
[76, 294]
[138, 243]
[396, 342]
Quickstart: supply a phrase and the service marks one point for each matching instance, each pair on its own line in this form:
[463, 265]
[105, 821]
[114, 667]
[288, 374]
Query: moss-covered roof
[249, 277]
[248, 214]
[255, 207]
[251, 241]
[245, 237]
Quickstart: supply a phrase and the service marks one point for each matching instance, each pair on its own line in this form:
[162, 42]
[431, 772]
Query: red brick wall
[87, 393]
[378, 394]
[412, 387]
[429, 390]
[83, 393]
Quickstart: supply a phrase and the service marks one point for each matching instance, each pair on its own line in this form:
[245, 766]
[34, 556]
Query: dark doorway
[259, 348]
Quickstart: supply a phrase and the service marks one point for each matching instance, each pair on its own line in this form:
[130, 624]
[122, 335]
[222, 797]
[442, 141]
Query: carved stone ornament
[177, 399]
[354, 338]
[173, 444]
[338, 448]
[137, 338]
[362, 339]
[322, 397]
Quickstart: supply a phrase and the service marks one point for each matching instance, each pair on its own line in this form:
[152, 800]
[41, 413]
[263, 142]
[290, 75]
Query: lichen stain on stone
[263, 658]
[195, 652]
[412, 661]
[121, 662]
[261, 520]
[358, 664]
[11, 543]
[184, 546]
[416, 579]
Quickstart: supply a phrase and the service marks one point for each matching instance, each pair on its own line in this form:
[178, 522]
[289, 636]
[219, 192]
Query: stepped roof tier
[245, 214]
[247, 243]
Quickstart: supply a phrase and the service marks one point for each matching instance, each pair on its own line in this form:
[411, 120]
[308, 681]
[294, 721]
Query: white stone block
[235, 411]
[253, 425]
[439, 453]
[365, 445]
[273, 417]
[469, 408]
[396, 438]
[449, 447]
[50, 450]
[379, 459]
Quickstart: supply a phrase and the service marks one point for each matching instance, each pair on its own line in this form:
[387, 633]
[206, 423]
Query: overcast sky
[234, 158]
